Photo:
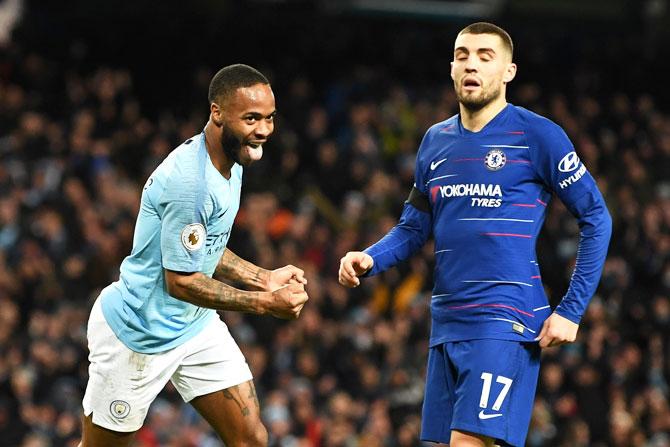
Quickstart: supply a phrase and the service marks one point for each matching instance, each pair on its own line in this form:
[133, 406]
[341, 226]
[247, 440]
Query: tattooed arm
[201, 290]
[233, 268]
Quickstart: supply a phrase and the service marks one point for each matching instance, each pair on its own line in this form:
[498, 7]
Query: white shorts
[122, 383]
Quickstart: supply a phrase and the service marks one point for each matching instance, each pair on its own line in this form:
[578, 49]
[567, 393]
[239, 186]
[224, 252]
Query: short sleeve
[184, 220]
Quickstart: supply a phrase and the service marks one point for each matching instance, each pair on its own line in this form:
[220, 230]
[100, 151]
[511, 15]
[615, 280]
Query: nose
[471, 64]
[264, 128]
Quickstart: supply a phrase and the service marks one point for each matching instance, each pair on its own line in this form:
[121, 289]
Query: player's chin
[246, 161]
[474, 102]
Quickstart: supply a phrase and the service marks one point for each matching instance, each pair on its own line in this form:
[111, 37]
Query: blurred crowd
[77, 145]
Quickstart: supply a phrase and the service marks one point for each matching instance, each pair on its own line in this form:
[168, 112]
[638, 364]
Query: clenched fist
[285, 275]
[353, 265]
[287, 301]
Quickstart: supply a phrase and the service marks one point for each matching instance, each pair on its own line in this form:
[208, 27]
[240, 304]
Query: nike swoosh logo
[435, 164]
[483, 415]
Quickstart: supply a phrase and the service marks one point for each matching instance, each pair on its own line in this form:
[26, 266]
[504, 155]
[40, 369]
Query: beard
[475, 103]
[232, 146]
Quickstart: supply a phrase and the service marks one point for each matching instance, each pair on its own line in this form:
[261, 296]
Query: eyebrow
[259, 115]
[479, 50]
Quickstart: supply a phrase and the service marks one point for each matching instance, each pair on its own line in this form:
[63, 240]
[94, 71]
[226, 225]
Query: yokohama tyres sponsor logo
[482, 195]
[470, 189]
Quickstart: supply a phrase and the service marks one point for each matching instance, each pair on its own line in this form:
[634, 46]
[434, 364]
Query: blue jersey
[186, 215]
[486, 194]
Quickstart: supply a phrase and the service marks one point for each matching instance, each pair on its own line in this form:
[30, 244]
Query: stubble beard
[231, 145]
[477, 103]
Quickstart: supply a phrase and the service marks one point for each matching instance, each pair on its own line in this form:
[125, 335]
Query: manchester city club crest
[495, 159]
[119, 409]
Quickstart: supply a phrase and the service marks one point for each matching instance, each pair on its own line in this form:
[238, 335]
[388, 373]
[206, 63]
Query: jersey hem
[121, 331]
[450, 339]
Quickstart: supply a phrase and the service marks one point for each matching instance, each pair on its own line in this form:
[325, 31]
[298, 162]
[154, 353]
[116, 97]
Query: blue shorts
[485, 387]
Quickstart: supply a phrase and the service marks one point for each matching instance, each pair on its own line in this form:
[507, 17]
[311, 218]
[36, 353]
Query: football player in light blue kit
[483, 179]
[159, 321]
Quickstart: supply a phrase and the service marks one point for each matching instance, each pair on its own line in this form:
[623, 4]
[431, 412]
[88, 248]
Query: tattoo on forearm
[237, 399]
[233, 268]
[207, 292]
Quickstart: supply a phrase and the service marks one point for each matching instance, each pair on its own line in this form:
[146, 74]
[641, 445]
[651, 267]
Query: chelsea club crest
[495, 159]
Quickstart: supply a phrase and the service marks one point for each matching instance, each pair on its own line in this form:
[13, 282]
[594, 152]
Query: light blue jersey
[186, 215]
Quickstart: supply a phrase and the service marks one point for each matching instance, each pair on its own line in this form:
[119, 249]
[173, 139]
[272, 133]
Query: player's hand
[285, 275]
[353, 265]
[556, 331]
[288, 301]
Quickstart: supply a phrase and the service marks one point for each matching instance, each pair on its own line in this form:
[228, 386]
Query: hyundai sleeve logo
[569, 163]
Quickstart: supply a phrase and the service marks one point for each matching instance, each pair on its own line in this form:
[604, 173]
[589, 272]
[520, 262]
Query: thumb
[366, 262]
[543, 331]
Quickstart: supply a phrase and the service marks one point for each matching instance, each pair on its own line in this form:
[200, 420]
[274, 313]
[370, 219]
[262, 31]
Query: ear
[451, 72]
[216, 114]
[510, 72]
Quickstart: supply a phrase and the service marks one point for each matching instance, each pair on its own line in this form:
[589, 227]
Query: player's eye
[250, 119]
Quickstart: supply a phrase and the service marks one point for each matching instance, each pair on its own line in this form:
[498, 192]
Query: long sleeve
[595, 226]
[560, 169]
[402, 241]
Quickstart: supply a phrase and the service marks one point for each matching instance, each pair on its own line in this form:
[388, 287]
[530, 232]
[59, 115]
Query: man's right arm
[408, 236]
[411, 232]
[201, 290]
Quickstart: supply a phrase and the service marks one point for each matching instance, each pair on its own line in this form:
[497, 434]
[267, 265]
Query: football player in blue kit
[483, 179]
[159, 322]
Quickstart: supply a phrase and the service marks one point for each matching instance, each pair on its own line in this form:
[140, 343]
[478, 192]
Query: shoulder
[187, 160]
[537, 126]
[180, 172]
[437, 131]
[445, 127]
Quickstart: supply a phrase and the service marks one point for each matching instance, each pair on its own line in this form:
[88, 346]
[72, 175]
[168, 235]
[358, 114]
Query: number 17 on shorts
[480, 386]
[486, 392]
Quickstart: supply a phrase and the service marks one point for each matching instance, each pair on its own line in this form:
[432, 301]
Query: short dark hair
[227, 80]
[490, 28]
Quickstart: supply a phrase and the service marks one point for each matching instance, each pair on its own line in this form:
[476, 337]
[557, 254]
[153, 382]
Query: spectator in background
[39, 291]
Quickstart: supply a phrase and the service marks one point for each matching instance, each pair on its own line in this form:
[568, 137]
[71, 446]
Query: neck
[475, 120]
[213, 144]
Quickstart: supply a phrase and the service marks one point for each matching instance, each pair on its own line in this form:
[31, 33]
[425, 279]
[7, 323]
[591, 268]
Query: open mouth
[471, 83]
[254, 149]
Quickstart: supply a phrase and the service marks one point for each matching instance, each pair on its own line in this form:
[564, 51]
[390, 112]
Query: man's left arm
[561, 169]
[595, 225]
[232, 268]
